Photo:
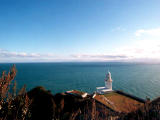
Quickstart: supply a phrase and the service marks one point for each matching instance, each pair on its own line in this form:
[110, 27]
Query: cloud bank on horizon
[145, 48]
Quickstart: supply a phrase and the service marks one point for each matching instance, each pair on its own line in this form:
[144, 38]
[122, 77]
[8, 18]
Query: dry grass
[12, 106]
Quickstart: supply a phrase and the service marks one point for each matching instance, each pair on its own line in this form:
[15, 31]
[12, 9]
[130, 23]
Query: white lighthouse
[108, 84]
[108, 81]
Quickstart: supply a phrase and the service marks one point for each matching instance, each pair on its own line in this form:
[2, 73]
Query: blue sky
[79, 30]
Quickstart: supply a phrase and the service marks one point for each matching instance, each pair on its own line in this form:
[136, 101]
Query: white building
[108, 85]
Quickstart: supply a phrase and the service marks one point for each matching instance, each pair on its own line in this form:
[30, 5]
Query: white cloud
[152, 32]
[5, 53]
[8, 56]
[98, 57]
[142, 49]
[146, 45]
[147, 48]
[118, 29]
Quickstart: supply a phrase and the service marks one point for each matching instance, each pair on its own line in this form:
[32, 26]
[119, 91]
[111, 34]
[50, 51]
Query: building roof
[77, 93]
[119, 101]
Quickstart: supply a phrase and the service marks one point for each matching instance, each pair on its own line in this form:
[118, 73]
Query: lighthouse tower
[108, 85]
[108, 81]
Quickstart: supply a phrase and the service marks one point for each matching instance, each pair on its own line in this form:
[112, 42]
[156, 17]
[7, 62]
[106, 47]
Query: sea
[139, 79]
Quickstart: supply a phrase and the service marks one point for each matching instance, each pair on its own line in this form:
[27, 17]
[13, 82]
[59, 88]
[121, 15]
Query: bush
[12, 106]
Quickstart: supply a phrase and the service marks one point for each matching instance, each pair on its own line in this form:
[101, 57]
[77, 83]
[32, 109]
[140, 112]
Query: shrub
[12, 106]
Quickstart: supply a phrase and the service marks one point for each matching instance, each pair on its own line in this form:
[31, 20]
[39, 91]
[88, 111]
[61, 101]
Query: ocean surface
[138, 79]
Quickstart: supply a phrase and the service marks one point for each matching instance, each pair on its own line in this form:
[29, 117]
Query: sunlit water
[138, 79]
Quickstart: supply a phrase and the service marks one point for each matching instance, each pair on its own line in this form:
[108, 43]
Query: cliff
[65, 107]
[68, 107]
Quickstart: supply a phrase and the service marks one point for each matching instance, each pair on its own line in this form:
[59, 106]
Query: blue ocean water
[135, 78]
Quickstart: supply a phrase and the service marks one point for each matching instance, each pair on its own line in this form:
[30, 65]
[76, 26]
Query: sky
[79, 30]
